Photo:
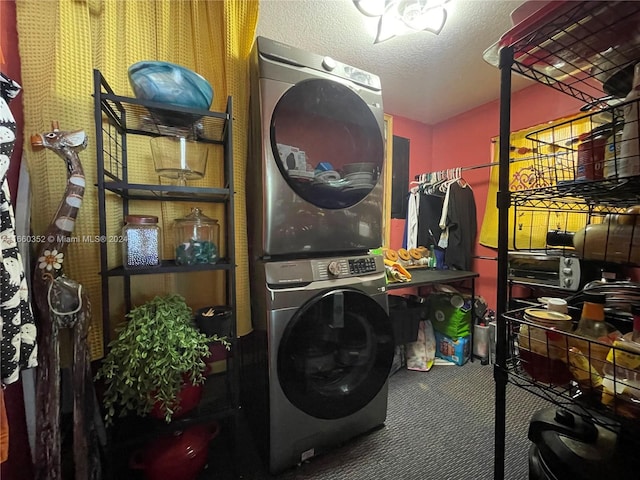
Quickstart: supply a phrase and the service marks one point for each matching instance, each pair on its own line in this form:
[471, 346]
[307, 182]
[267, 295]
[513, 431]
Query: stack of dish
[301, 175]
[359, 181]
[543, 346]
[359, 177]
[326, 176]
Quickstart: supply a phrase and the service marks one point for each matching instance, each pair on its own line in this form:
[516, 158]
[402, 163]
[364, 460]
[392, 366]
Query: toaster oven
[551, 270]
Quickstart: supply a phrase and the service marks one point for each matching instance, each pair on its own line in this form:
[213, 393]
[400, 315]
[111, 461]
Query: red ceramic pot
[181, 455]
[188, 399]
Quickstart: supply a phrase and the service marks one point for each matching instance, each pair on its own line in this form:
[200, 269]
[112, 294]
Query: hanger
[450, 179]
[426, 180]
[461, 181]
[441, 178]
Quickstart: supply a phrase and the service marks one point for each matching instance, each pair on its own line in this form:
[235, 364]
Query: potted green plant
[157, 353]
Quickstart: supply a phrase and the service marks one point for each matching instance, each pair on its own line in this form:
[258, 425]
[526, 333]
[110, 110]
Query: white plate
[365, 176]
[301, 174]
[327, 176]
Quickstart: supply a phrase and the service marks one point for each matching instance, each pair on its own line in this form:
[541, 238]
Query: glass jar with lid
[141, 246]
[197, 239]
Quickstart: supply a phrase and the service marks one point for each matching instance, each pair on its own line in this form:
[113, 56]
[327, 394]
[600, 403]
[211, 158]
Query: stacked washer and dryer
[315, 373]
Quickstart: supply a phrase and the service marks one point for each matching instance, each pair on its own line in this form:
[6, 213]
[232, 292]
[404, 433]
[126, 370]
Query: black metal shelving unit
[570, 47]
[116, 119]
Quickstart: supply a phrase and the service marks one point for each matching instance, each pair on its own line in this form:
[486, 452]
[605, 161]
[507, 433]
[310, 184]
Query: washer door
[327, 143]
[335, 354]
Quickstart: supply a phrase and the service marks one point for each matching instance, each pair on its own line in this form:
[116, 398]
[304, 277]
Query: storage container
[141, 247]
[197, 238]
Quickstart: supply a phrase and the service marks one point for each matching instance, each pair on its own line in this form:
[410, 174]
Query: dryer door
[335, 354]
[327, 143]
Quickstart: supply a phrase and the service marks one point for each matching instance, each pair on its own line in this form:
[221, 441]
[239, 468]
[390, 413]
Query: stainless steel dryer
[316, 372]
[316, 154]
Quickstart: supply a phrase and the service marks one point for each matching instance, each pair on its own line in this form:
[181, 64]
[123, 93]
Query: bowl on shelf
[172, 84]
[179, 158]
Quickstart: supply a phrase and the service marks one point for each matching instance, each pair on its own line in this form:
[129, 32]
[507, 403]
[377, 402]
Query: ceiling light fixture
[400, 17]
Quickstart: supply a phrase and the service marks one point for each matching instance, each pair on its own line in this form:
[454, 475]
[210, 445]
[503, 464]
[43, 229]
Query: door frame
[388, 177]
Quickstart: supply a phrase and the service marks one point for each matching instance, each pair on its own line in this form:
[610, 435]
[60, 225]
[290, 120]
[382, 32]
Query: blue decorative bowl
[172, 84]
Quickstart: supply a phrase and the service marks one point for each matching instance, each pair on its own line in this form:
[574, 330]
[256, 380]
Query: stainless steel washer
[316, 373]
[316, 154]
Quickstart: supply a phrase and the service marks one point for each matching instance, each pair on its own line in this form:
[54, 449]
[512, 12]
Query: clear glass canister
[141, 246]
[197, 238]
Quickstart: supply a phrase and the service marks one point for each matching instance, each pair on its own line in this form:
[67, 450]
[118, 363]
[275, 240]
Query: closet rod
[462, 169]
[495, 164]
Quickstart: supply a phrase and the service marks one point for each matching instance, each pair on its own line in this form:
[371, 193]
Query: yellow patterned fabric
[60, 45]
[535, 164]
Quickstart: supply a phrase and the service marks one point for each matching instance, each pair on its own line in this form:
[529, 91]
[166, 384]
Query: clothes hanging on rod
[429, 218]
[451, 176]
[446, 216]
[461, 227]
[430, 207]
[412, 219]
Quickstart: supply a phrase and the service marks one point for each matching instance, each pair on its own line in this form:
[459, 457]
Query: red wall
[465, 140]
[420, 145]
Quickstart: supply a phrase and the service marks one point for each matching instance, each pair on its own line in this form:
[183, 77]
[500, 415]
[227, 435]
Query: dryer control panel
[286, 54]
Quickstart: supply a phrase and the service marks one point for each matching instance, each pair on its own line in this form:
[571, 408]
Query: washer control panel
[309, 270]
[362, 265]
[325, 269]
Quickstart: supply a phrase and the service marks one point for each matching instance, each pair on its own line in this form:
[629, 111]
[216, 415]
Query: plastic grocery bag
[422, 353]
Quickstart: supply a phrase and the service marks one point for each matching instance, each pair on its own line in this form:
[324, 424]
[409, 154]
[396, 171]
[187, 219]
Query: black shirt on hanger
[462, 222]
[429, 218]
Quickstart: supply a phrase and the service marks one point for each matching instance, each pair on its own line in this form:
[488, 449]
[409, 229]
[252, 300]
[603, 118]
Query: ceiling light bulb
[412, 15]
[399, 17]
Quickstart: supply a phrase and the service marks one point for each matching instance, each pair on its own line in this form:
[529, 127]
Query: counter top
[424, 276]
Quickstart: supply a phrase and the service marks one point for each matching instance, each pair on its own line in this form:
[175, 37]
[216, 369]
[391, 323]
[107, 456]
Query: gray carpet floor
[440, 425]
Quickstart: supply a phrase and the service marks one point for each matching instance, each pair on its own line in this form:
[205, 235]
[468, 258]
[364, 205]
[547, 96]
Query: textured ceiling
[424, 77]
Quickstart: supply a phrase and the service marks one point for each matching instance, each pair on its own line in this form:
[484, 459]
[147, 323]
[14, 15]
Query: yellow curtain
[60, 45]
[542, 160]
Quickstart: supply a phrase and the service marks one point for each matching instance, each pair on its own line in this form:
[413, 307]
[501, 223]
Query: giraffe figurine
[61, 303]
